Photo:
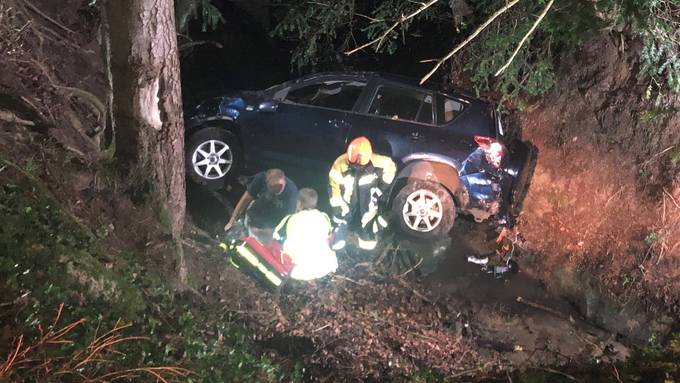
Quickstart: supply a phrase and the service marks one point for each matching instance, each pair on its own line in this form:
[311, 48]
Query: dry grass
[42, 360]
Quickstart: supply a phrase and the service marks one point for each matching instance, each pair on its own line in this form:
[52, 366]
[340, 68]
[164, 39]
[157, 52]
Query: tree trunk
[147, 101]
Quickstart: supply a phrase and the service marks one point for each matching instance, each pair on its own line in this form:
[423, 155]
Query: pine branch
[524, 39]
[401, 20]
[468, 39]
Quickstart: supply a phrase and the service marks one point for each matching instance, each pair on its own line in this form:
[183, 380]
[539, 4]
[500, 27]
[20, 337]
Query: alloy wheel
[422, 211]
[212, 159]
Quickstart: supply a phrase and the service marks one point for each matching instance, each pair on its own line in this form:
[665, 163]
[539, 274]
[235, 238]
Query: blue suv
[453, 150]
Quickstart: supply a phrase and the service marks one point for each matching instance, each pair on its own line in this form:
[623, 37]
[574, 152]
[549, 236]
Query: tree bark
[147, 112]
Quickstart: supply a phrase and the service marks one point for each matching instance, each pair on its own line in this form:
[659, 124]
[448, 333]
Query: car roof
[368, 75]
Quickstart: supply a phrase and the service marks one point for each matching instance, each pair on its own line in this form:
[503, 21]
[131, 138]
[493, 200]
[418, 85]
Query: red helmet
[359, 151]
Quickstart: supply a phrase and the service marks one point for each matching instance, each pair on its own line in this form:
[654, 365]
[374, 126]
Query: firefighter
[305, 236]
[359, 180]
[272, 184]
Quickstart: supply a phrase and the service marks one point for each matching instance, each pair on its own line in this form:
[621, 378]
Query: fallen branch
[671, 197]
[468, 39]
[652, 158]
[44, 16]
[420, 261]
[544, 308]
[557, 372]
[524, 39]
[348, 279]
[413, 290]
[188, 45]
[8, 116]
[401, 20]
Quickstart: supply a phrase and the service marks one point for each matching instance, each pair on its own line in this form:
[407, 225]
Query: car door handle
[416, 136]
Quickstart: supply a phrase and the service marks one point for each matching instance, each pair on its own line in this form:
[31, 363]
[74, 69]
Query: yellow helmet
[359, 151]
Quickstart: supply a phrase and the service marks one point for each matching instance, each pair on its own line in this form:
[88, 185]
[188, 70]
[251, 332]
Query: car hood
[229, 106]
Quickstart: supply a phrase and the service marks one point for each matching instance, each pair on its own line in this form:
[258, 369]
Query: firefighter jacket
[344, 180]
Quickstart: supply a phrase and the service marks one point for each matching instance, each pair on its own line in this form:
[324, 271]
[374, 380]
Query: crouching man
[306, 236]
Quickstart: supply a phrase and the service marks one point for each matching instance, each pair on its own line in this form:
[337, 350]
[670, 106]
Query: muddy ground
[445, 313]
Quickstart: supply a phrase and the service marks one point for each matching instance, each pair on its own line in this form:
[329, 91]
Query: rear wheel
[424, 210]
[212, 156]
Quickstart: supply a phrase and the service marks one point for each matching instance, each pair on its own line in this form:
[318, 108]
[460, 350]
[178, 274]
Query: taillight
[492, 149]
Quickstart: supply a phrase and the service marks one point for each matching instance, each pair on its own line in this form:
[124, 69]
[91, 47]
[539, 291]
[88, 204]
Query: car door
[402, 120]
[309, 125]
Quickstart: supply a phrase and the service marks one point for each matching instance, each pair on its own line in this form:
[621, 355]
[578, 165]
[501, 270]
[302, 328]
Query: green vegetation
[202, 10]
[323, 30]
[48, 258]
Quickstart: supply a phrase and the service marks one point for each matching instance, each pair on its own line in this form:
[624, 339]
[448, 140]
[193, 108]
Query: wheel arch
[443, 172]
[225, 123]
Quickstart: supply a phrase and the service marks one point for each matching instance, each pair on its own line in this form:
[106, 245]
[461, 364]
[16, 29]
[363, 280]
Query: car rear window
[330, 94]
[452, 108]
[402, 104]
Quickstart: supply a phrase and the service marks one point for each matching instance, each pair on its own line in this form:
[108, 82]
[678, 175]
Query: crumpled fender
[438, 172]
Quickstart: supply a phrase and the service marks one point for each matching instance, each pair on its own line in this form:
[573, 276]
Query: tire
[222, 161]
[424, 224]
[523, 182]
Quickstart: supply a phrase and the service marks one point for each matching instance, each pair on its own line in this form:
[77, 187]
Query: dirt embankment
[603, 211]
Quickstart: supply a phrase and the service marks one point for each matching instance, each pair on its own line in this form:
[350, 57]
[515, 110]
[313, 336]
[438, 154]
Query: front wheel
[424, 210]
[212, 155]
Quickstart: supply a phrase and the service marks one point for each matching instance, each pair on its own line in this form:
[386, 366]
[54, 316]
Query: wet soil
[513, 320]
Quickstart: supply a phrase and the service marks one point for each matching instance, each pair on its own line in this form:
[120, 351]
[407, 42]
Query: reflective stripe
[223, 245]
[269, 275]
[388, 177]
[382, 221]
[339, 221]
[335, 175]
[281, 230]
[252, 258]
[368, 216]
[367, 245]
[375, 227]
[348, 184]
[367, 179]
[248, 255]
[389, 168]
[338, 245]
[336, 201]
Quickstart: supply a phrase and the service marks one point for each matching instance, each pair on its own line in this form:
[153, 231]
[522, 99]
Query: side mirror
[268, 106]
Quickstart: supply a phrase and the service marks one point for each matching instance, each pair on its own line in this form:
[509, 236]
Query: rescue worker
[272, 184]
[305, 236]
[359, 179]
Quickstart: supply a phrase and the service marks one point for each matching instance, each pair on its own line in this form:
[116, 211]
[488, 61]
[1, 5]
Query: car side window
[330, 94]
[452, 108]
[402, 104]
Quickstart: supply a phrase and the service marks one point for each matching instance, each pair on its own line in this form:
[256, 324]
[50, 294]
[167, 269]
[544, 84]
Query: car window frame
[376, 84]
[318, 81]
[440, 105]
